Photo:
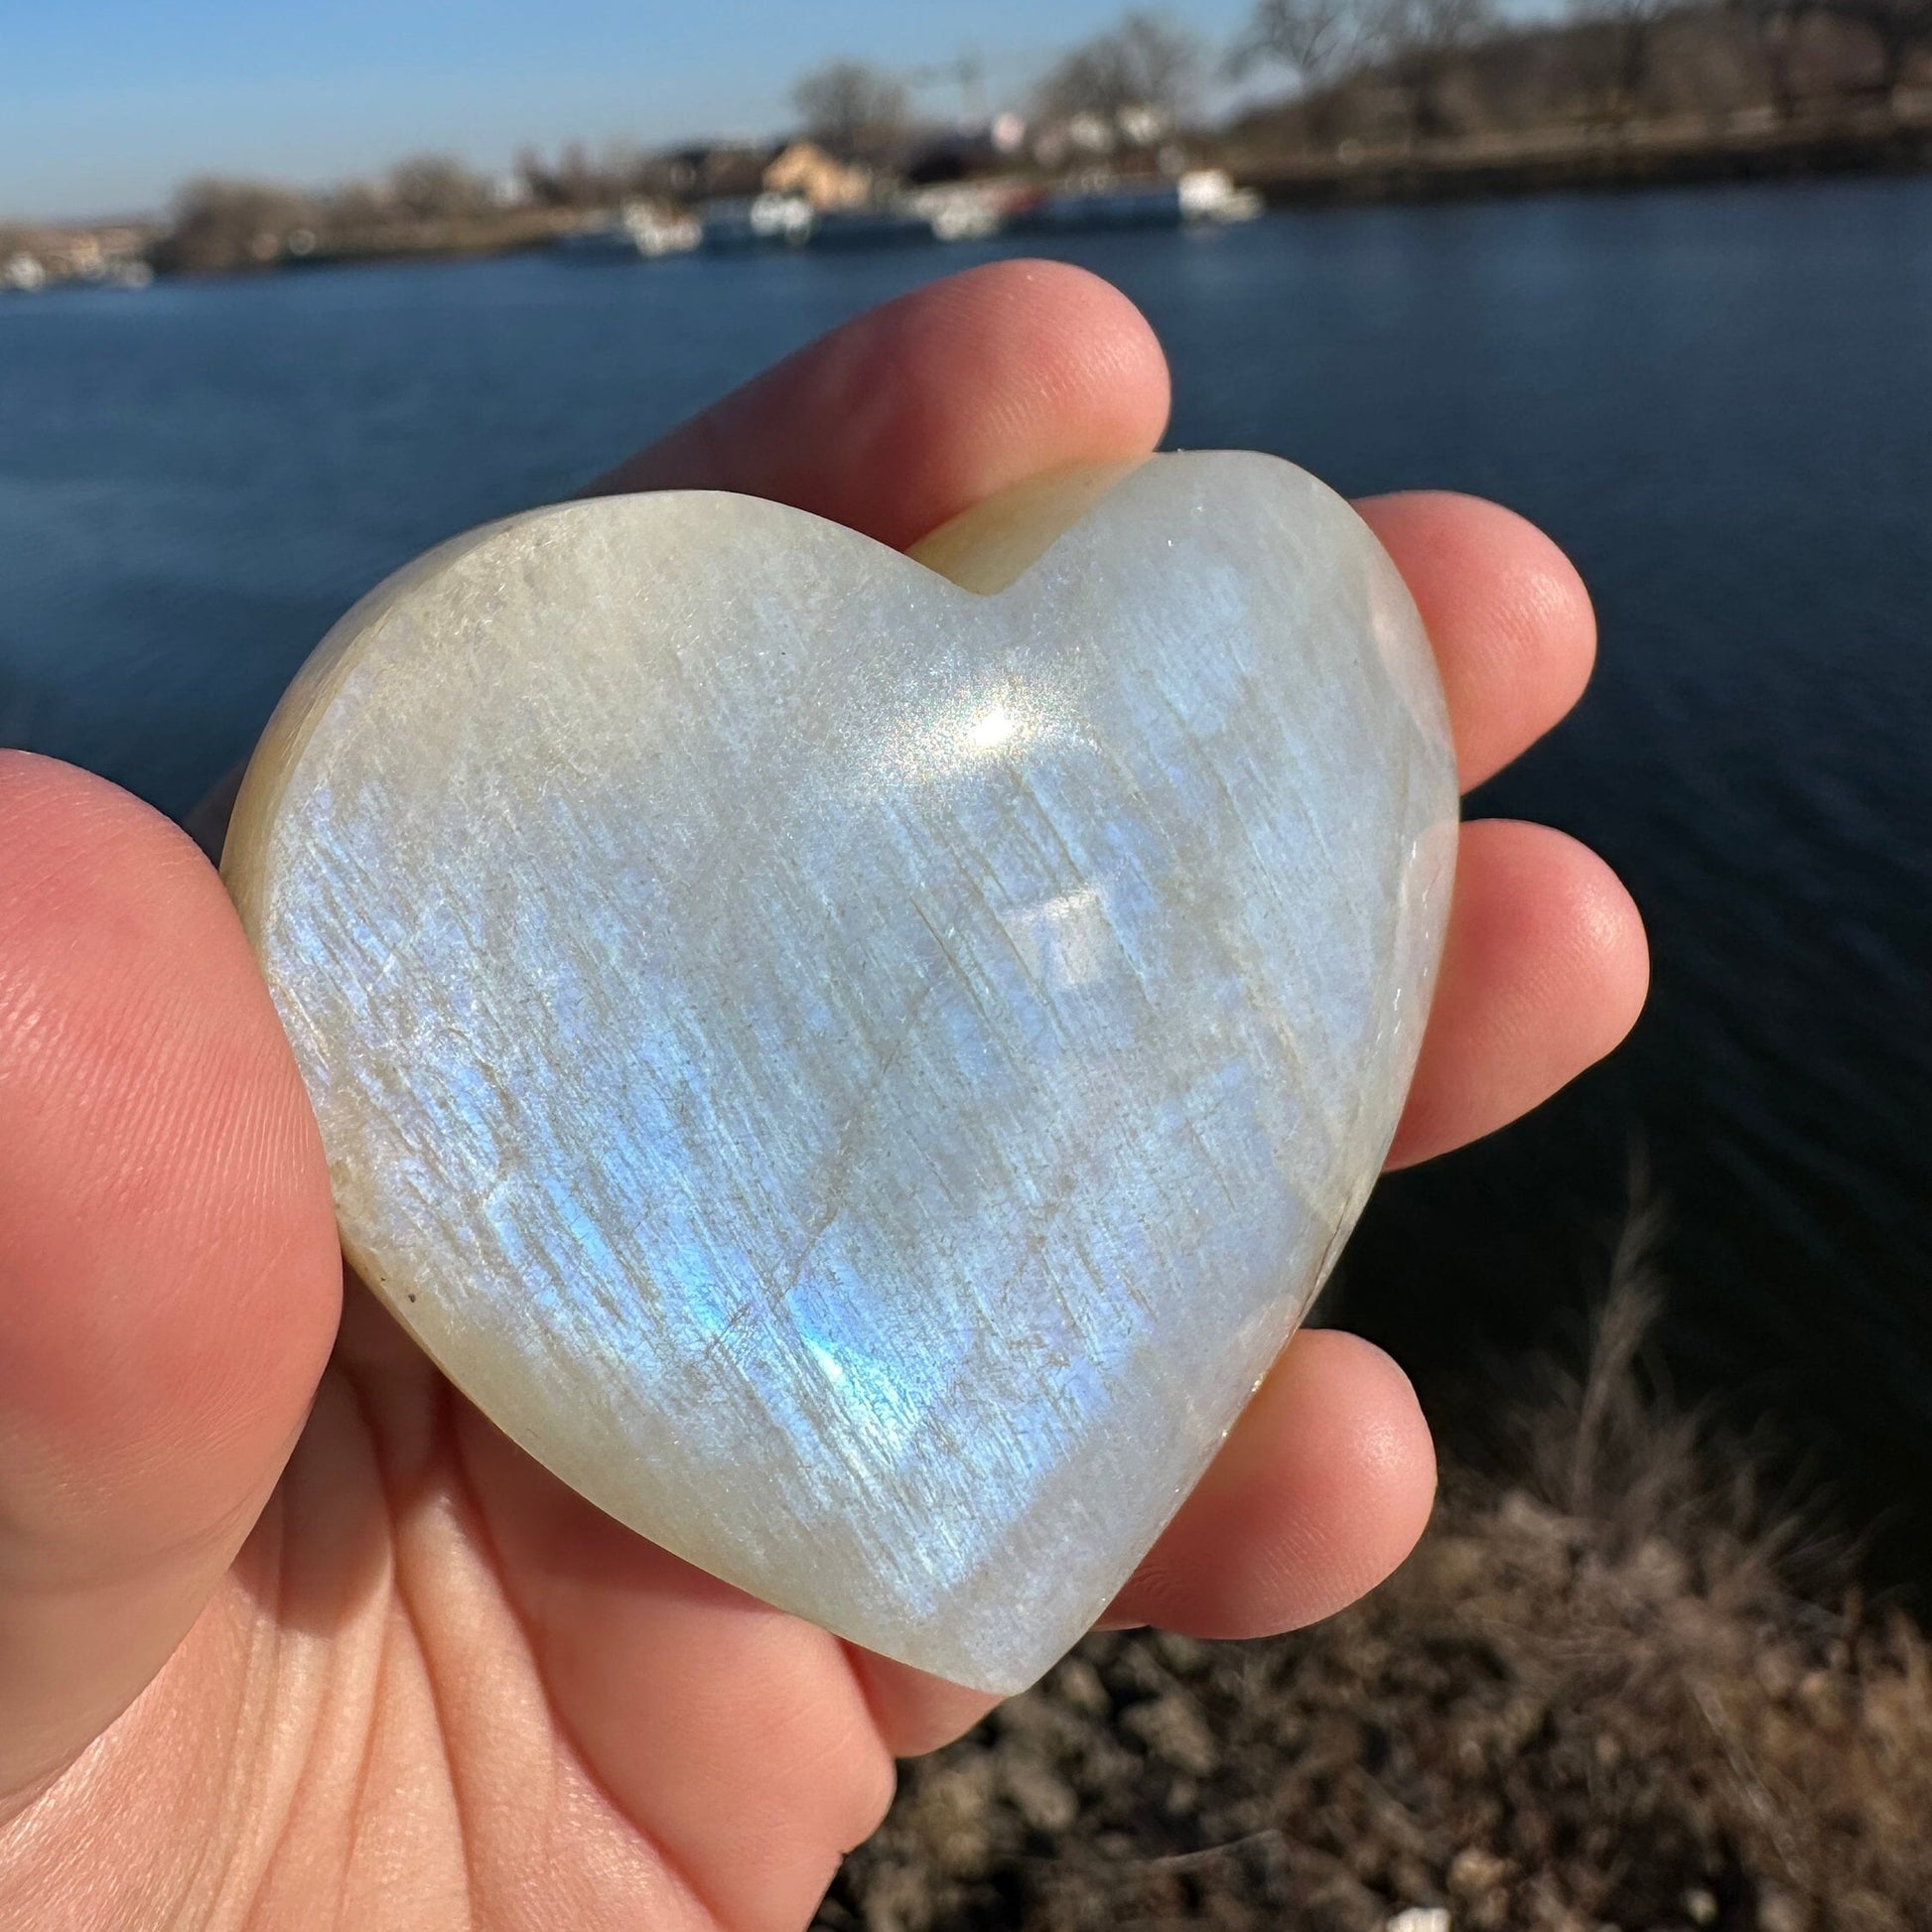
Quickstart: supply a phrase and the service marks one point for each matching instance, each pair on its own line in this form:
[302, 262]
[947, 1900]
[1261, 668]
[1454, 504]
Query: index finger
[930, 404]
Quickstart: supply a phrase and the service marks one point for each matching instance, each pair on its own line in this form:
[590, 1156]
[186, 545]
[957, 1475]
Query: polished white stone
[860, 1075]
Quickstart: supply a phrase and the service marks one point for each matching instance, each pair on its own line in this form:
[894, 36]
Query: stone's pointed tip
[858, 1081]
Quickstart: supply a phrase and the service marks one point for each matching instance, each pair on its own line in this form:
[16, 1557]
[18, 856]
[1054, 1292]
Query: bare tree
[1145, 66]
[854, 110]
[1774, 25]
[1419, 42]
[574, 180]
[1900, 29]
[223, 224]
[1320, 40]
[437, 187]
[1629, 45]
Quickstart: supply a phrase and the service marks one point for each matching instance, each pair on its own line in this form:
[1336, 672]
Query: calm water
[1721, 402]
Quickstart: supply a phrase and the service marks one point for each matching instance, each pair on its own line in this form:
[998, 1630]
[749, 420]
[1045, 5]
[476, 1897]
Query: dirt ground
[1594, 1699]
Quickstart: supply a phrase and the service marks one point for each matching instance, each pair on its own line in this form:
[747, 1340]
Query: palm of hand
[434, 1688]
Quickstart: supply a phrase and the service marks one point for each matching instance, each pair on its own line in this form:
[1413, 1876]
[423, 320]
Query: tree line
[1605, 59]
[1391, 66]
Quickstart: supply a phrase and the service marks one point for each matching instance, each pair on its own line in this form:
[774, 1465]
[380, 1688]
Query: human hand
[289, 1635]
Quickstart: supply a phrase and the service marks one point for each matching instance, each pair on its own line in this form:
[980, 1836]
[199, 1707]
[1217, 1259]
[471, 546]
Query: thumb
[169, 1276]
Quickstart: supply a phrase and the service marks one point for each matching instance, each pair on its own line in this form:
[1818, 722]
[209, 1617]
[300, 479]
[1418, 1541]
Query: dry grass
[1592, 1700]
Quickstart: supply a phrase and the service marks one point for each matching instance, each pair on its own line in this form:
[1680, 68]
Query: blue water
[1721, 401]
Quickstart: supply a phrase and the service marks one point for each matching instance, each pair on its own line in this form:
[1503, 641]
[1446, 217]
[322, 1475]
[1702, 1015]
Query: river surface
[1721, 401]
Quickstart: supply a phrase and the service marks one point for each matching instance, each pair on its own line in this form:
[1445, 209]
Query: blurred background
[286, 297]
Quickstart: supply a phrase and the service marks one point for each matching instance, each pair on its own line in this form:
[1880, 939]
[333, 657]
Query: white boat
[1209, 195]
[638, 231]
[1202, 195]
[950, 211]
[766, 220]
[963, 210]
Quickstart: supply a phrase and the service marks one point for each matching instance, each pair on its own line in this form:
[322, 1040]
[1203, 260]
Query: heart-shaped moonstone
[857, 1070]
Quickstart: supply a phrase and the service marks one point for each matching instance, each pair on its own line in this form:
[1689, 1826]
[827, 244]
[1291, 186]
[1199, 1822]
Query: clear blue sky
[106, 105]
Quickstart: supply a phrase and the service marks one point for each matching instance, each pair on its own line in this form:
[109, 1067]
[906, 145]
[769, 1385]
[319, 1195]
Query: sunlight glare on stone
[992, 728]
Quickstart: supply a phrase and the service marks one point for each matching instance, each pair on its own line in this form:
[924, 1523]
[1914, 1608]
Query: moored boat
[768, 220]
[1202, 195]
[638, 232]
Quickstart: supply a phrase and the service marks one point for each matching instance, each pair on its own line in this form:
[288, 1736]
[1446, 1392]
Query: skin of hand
[289, 1636]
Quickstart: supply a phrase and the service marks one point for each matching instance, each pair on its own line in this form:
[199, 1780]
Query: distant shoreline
[1643, 155]
[1683, 153]
[1468, 172]
[1687, 151]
